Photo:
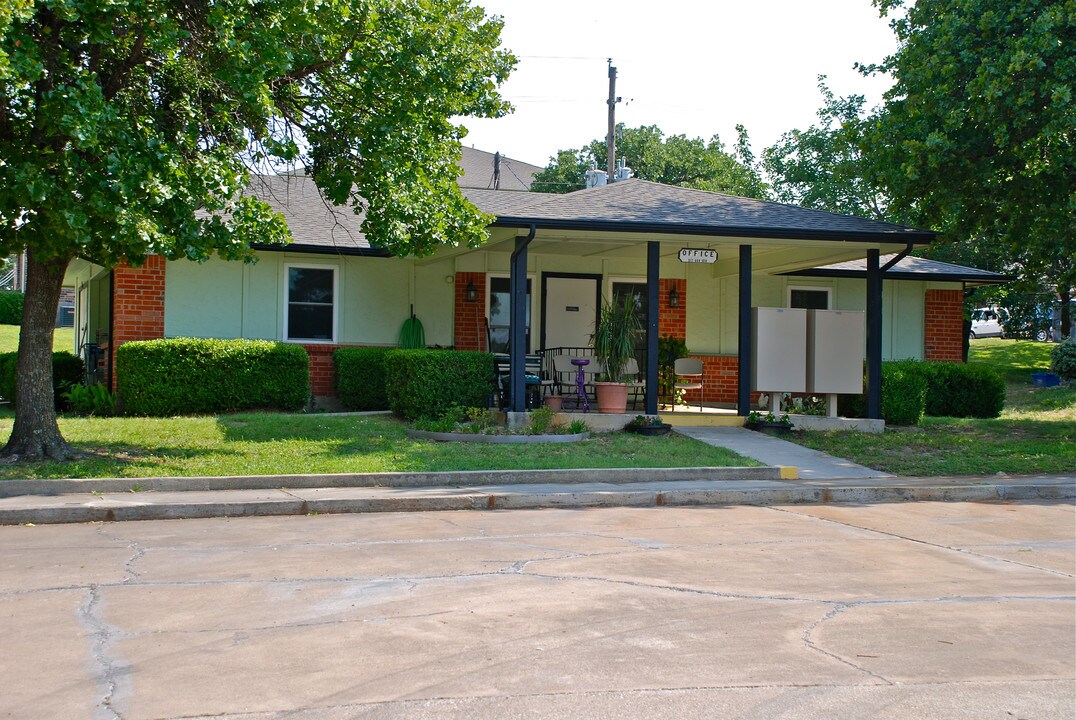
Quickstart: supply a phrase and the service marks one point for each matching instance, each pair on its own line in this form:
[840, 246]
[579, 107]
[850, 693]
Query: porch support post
[743, 380]
[874, 336]
[653, 260]
[517, 334]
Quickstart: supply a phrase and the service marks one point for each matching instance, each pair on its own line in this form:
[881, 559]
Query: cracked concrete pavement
[915, 610]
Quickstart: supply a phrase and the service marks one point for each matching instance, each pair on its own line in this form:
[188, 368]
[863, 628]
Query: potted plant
[614, 344]
[648, 425]
[768, 423]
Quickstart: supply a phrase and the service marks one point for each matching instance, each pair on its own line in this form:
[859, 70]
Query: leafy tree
[673, 160]
[129, 127]
[824, 167]
[976, 136]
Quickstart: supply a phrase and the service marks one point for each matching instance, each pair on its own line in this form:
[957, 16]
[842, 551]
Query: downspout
[517, 350]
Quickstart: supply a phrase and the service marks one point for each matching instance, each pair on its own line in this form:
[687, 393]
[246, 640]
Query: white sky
[688, 66]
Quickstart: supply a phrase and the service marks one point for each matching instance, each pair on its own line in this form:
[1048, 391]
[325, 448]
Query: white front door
[569, 310]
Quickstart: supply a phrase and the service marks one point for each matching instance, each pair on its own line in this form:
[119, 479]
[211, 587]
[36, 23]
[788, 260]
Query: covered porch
[699, 261]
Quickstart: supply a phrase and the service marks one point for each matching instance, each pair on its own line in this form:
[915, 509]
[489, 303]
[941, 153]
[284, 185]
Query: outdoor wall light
[674, 297]
[472, 292]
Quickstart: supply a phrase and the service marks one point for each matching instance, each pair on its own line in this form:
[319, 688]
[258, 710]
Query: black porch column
[874, 336]
[653, 260]
[517, 335]
[743, 380]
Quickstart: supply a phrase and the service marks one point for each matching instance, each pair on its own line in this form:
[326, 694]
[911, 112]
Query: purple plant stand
[581, 384]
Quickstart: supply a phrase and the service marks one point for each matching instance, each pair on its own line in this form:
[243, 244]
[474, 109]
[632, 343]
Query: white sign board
[697, 255]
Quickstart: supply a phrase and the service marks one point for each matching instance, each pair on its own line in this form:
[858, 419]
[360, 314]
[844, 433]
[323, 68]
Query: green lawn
[1036, 432]
[270, 444]
[63, 339]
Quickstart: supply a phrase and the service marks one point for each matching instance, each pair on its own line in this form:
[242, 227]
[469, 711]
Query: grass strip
[273, 444]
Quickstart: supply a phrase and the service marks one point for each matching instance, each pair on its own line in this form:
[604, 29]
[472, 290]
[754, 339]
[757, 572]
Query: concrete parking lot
[910, 610]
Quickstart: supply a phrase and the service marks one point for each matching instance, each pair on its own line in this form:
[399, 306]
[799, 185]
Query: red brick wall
[321, 368]
[469, 330]
[720, 374]
[137, 303]
[672, 321]
[943, 327]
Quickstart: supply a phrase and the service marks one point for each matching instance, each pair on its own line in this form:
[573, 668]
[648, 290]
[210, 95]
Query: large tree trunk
[36, 435]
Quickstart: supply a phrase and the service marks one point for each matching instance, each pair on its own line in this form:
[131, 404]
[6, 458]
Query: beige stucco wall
[232, 299]
[222, 299]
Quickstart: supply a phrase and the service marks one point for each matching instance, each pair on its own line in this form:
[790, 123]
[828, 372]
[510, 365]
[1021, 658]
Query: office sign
[697, 255]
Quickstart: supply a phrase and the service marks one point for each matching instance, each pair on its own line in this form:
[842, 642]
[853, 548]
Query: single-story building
[557, 256]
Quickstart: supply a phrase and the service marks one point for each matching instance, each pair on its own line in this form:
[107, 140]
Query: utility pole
[610, 138]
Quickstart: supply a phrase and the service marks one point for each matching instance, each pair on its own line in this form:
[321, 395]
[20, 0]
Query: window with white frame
[809, 298]
[310, 305]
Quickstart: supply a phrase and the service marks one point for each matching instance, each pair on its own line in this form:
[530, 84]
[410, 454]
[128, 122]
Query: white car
[986, 322]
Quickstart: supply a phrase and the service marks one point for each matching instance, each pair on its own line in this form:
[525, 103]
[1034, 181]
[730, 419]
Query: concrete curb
[298, 502]
[14, 488]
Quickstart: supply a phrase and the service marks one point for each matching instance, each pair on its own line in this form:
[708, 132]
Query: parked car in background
[986, 322]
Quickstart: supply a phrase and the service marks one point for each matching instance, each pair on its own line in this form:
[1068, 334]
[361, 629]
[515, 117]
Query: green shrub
[360, 377]
[91, 400]
[10, 307]
[67, 370]
[426, 383]
[1063, 359]
[960, 390]
[903, 397]
[182, 376]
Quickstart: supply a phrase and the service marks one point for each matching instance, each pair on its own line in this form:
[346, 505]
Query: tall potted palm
[614, 344]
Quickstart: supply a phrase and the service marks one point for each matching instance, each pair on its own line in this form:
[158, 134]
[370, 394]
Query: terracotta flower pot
[554, 402]
[612, 397]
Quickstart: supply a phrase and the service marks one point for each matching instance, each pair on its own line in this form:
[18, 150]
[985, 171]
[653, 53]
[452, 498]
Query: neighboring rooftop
[909, 268]
[492, 171]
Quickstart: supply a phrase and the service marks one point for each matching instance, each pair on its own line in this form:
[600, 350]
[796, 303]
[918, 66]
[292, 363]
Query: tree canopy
[673, 160]
[823, 167]
[131, 127]
[976, 134]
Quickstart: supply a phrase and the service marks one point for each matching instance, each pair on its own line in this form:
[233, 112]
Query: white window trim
[607, 291]
[336, 301]
[813, 288]
[536, 292]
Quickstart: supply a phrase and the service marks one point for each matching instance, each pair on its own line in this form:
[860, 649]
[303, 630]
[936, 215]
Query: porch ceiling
[769, 255]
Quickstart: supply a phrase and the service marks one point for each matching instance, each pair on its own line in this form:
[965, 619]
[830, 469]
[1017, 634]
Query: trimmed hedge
[184, 376]
[426, 383]
[360, 377]
[1063, 359]
[949, 390]
[10, 307]
[960, 390]
[903, 397]
[67, 370]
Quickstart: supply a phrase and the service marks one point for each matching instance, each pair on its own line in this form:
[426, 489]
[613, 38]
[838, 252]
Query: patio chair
[689, 376]
[637, 384]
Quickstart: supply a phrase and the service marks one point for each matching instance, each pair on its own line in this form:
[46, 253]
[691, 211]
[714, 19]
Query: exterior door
[569, 309]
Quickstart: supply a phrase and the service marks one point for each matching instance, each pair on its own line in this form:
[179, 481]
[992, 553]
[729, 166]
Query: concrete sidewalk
[812, 465]
[181, 503]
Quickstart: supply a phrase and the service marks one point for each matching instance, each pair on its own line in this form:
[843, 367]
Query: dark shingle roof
[643, 206]
[316, 224]
[478, 171]
[909, 268]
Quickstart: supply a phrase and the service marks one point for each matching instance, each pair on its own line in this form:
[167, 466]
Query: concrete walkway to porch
[813, 465]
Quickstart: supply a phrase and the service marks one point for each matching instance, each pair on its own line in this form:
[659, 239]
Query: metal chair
[689, 376]
[636, 386]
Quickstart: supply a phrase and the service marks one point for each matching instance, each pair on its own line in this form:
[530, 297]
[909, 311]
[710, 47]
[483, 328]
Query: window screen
[808, 299]
[310, 303]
